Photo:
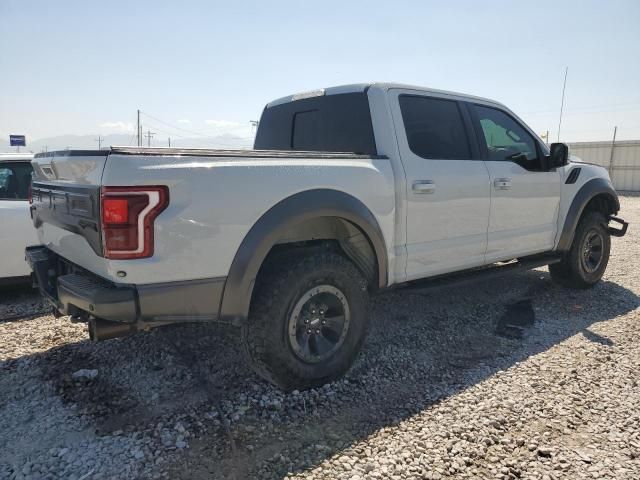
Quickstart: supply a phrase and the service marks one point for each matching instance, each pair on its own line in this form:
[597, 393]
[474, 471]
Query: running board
[470, 276]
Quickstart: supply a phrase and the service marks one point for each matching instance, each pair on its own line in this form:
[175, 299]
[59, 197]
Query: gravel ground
[437, 392]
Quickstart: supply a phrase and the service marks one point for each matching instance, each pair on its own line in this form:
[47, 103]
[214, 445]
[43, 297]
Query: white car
[288, 240]
[16, 228]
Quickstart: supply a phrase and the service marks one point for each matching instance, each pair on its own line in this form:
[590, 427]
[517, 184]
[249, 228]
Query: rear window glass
[330, 123]
[15, 179]
[306, 129]
[434, 128]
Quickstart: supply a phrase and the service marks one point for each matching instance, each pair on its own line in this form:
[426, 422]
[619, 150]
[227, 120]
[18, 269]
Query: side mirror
[559, 155]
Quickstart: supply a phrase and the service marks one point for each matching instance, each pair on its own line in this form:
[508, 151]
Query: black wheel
[308, 318]
[584, 264]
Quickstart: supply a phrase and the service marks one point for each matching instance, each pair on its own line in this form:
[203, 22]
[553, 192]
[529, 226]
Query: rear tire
[584, 264]
[308, 318]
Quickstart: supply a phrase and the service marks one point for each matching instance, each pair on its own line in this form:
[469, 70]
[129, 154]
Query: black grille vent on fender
[573, 175]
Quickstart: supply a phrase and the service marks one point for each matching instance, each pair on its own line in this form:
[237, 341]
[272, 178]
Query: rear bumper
[72, 290]
[77, 292]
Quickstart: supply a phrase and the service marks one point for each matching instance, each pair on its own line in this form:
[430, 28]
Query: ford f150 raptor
[348, 190]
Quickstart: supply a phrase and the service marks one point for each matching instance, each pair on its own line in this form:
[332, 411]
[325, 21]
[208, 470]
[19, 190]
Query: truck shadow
[422, 348]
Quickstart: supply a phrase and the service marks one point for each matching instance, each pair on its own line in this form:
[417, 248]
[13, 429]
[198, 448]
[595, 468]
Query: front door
[447, 183]
[525, 195]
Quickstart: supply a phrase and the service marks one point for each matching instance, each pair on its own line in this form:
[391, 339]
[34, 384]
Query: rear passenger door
[447, 183]
[525, 194]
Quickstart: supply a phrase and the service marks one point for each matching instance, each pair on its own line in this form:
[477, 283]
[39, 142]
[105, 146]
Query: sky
[206, 68]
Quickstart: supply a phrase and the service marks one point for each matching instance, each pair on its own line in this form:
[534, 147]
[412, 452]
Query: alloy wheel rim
[319, 323]
[592, 251]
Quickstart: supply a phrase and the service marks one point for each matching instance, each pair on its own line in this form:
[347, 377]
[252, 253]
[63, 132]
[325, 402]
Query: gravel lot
[437, 393]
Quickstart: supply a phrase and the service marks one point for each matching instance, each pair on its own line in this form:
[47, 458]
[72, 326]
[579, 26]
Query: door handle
[502, 183]
[424, 186]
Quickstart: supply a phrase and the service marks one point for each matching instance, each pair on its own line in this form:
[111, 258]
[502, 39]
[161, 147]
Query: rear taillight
[127, 219]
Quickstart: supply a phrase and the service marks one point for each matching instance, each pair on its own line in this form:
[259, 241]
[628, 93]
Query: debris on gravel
[85, 373]
[511, 378]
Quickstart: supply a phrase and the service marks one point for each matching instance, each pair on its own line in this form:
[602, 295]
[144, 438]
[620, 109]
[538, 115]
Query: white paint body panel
[16, 230]
[568, 192]
[214, 201]
[524, 218]
[16, 233]
[446, 229]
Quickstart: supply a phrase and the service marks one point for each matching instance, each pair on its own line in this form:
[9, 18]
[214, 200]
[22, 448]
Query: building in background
[620, 158]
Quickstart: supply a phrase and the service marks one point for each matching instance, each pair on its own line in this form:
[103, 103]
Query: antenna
[564, 86]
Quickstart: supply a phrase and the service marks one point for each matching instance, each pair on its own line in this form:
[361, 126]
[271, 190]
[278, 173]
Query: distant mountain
[88, 142]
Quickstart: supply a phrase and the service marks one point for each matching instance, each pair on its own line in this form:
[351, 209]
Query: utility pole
[169, 141]
[564, 85]
[545, 136]
[254, 125]
[99, 140]
[149, 136]
[139, 131]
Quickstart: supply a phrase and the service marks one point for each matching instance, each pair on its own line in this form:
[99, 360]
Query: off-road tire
[571, 272]
[279, 289]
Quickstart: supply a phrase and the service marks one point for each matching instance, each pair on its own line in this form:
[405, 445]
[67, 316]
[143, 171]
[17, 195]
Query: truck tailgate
[66, 203]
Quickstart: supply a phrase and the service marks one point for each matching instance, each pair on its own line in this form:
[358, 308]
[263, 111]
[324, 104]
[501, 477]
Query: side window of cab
[505, 139]
[15, 178]
[435, 128]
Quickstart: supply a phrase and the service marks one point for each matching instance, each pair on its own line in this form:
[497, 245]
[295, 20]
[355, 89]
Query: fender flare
[589, 190]
[264, 234]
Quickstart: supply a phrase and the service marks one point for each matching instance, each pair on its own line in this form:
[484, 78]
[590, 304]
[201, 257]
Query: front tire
[308, 318]
[584, 264]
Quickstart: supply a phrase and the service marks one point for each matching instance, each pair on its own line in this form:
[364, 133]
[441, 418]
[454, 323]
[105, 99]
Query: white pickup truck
[348, 190]
[16, 231]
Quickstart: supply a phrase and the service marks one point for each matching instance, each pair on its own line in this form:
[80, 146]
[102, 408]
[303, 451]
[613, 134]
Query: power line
[208, 137]
[174, 126]
[132, 137]
[253, 123]
[599, 108]
[162, 130]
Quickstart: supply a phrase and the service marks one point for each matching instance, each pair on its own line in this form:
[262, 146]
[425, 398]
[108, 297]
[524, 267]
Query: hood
[593, 168]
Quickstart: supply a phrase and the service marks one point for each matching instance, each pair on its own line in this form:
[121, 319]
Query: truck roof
[362, 87]
[15, 157]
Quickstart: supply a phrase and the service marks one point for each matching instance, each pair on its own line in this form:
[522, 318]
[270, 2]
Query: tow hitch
[617, 232]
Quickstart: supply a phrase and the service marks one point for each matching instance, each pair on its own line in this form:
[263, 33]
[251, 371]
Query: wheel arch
[309, 212]
[596, 194]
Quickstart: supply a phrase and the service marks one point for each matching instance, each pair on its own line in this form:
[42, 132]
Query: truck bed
[215, 197]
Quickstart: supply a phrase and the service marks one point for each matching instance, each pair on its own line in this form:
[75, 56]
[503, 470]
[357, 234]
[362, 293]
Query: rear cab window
[435, 128]
[327, 123]
[15, 178]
